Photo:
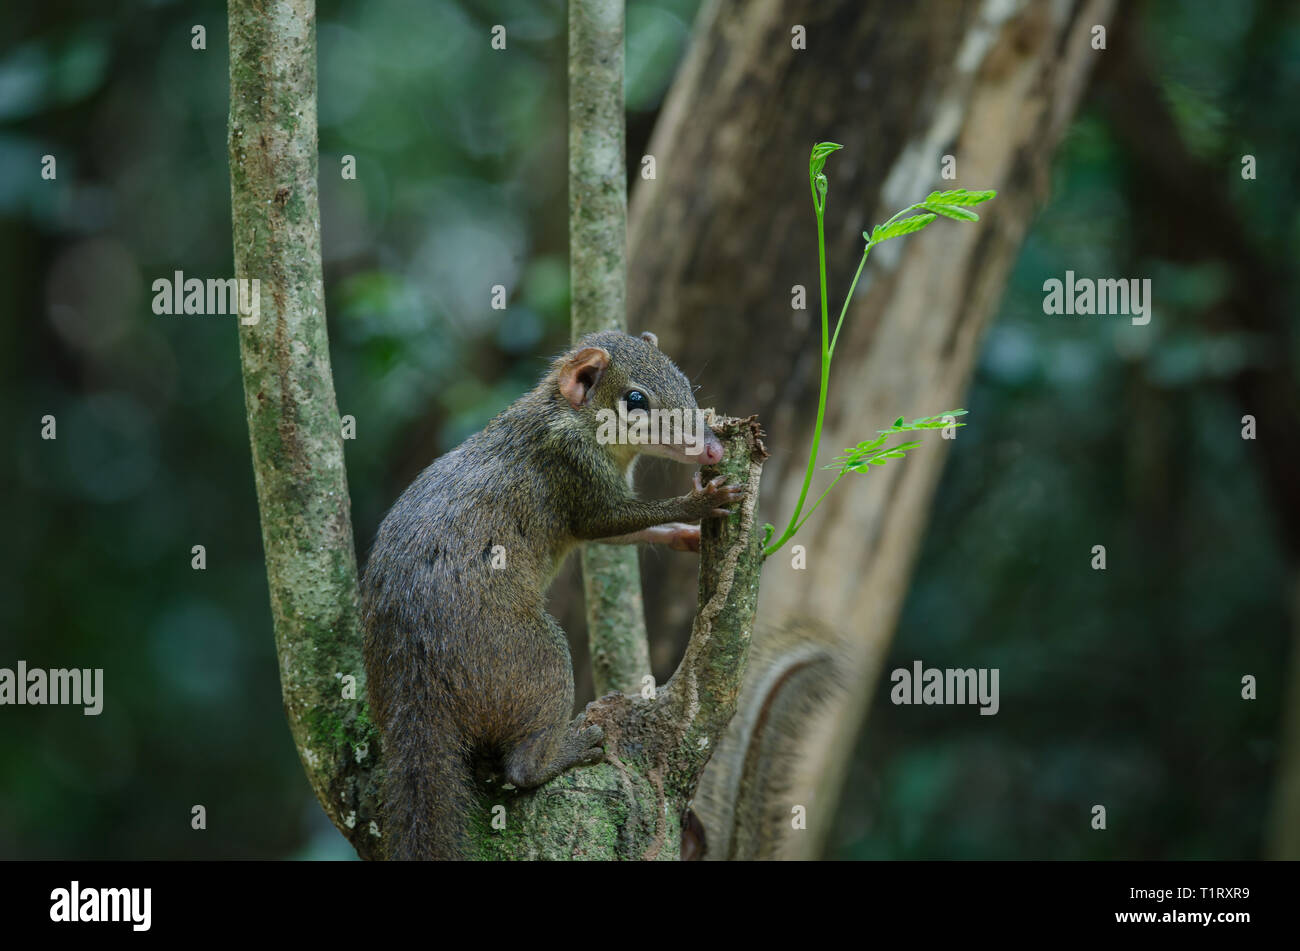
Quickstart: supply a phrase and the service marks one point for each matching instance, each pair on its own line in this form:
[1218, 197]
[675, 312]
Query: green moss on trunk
[293, 420]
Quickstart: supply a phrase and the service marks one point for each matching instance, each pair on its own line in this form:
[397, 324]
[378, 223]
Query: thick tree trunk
[720, 238]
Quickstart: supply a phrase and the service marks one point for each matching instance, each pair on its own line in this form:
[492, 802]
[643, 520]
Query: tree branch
[702, 693]
[293, 419]
[616, 631]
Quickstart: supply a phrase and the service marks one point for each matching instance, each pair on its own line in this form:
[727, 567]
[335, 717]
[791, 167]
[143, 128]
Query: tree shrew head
[636, 398]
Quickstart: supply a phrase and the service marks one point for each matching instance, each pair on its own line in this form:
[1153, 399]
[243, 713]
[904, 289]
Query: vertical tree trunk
[725, 233]
[293, 420]
[620, 653]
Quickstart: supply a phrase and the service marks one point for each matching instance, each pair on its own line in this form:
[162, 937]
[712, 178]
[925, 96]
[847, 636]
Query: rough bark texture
[293, 419]
[616, 631]
[726, 231]
[631, 805]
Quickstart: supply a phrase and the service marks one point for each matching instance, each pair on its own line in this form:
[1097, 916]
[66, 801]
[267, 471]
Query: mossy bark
[616, 631]
[293, 419]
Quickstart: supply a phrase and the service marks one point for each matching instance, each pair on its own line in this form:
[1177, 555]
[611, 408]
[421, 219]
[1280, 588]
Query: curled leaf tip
[817, 160]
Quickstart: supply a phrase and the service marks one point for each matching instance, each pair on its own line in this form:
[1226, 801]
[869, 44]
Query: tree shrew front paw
[710, 497]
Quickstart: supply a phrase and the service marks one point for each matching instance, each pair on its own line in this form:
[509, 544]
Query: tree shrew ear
[650, 338]
[580, 374]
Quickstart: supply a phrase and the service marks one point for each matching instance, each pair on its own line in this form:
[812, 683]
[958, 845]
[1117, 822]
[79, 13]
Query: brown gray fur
[463, 663]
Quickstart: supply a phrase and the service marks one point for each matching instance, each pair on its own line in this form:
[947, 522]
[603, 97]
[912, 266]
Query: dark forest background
[1124, 682]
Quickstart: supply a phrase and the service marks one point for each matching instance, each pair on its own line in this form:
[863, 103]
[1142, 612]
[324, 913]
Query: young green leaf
[949, 211]
[866, 454]
[816, 161]
[930, 422]
[959, 196]
[898, 228]
[819, 153]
